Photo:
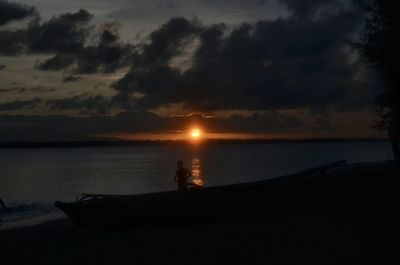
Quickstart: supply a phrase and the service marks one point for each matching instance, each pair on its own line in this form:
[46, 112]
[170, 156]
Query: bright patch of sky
[139, 17]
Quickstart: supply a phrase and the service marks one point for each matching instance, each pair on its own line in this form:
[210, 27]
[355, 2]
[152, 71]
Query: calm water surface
[31, 180]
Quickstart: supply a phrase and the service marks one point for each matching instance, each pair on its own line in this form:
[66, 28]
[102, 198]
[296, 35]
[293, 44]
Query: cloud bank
[301, 61]
[73, 43]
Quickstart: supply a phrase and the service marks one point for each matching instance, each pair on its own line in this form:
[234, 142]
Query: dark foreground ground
[345, 217]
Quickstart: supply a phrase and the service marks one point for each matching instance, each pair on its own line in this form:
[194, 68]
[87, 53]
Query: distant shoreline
[121, 143]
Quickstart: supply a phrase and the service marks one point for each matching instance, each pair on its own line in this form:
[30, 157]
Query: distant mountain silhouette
[37, 133]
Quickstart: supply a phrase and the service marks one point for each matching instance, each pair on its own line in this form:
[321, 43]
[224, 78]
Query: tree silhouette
[380, 44]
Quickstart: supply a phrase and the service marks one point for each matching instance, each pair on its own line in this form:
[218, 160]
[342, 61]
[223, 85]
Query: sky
[153, 69]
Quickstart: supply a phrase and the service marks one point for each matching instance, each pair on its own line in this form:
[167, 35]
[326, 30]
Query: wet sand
[304, 236]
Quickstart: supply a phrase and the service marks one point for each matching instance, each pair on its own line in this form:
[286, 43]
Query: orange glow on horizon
[187, 135]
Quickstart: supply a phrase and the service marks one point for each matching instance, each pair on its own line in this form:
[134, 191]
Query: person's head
[179, 164]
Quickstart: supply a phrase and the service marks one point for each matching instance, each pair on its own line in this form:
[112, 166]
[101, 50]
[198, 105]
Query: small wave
[25, 211]
[26, 207]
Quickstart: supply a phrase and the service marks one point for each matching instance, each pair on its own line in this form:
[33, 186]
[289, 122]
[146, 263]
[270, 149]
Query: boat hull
[174, 207]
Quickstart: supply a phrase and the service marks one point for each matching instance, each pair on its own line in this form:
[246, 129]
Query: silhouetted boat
[329, 189]
[230, 201]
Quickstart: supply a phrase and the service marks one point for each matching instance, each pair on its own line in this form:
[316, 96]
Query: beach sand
[299, 239]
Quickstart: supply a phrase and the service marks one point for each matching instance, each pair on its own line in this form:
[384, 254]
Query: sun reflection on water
[196, 172]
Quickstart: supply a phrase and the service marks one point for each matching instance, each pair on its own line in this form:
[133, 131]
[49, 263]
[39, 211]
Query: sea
[33, 179]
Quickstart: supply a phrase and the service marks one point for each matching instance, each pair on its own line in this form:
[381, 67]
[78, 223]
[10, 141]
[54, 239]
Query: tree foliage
[380, 44]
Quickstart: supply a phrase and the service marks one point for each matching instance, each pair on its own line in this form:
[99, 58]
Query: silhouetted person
[181, 176]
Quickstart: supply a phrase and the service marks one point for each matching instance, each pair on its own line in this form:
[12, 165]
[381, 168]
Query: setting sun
[195, 133]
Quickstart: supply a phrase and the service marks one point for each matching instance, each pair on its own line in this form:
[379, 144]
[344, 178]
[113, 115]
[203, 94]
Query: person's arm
[2, 203]
[176, 177]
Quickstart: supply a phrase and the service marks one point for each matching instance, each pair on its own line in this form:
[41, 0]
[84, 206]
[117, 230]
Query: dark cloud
[293, 62]
[20, 104]
[71, 78]
[158, 83]
[86, 104]
[10, 11]
[150, 72]
[69, 37]
[66, 33]
[57, 62]
[12, 42]
[167, 42]
[38, 89]
[74, 44]
[107, 55]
